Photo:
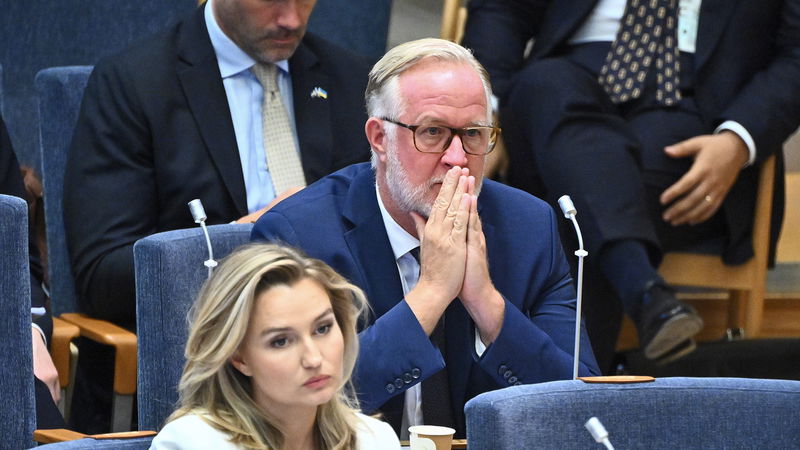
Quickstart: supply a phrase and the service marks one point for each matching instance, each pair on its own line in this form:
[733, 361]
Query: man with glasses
[469, 287]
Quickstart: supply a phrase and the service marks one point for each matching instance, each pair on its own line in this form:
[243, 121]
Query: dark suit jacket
[155, 132]
[338, 221]
[746, 69]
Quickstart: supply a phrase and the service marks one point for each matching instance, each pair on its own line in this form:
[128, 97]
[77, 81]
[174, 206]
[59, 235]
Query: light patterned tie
[646, 35]
[283, 159]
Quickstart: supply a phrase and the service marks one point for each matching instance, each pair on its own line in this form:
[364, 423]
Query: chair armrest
[122, 340]
[61, 435]
[63, 333]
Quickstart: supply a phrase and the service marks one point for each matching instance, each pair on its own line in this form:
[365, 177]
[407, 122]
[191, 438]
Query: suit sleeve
[110, 196]
[536, 344]
[394, 353]
[497, 32]
[768, 106]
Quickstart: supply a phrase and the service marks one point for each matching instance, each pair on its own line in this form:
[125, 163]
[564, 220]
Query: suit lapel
[714, 15]
[369, 245]
[312, 112]
[200, 78]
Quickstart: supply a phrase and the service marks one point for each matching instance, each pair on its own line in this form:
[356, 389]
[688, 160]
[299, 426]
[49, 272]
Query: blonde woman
[271, 348]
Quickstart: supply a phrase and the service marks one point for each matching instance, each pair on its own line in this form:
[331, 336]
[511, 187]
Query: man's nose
[455, 155]
[289, 15]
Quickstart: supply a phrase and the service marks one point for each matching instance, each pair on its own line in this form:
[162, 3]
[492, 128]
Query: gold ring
[707, 199]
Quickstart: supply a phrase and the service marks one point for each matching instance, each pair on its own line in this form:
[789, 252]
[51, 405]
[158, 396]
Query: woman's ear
[239, 363]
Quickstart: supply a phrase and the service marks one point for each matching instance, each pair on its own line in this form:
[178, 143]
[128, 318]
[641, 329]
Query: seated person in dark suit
[46, 387]
[653, 117]
[235, 105]
[469, 287]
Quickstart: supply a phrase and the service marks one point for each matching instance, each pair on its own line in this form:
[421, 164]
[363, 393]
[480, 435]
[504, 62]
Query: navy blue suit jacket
[338, 221]
[155, 132]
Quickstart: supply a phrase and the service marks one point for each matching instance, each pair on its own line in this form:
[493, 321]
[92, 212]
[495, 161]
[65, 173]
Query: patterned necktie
[436, 388]
[647, 35]
[283, 159]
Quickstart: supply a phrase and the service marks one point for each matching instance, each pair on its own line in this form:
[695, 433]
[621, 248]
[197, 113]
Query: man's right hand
[254, 216]
[443, 249]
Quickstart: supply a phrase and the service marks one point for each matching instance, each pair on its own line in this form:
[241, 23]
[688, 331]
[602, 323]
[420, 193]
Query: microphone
[568, 208]
[199, 216]
[598, 432]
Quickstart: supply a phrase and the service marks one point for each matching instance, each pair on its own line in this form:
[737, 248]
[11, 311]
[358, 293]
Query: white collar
[401, 240]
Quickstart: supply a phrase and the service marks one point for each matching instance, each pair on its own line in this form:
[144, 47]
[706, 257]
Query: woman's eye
[279, 342]
[323, 329]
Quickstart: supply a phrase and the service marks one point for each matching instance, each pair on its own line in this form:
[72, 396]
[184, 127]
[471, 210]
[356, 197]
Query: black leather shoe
[665, 323]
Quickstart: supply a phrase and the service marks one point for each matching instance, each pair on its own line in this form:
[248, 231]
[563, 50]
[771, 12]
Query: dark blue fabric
[17, 416]
[59, 90]
[169, 273]
[684, 413]
[99, 444]
[36, 34]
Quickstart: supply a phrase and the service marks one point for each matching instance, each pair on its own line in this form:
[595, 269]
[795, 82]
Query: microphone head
[197, 210]
[567, 207]
[597, 429]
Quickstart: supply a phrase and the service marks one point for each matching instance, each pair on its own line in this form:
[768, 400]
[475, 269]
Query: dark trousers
[564, 136]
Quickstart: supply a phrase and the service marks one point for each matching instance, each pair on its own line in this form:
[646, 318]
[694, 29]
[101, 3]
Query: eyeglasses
[436, 138]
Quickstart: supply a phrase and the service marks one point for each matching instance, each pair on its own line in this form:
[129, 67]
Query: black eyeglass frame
[453, 132]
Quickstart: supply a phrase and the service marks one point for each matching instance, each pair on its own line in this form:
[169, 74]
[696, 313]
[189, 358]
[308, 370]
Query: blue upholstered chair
[359, 25]
[60, 90]
[36, 34]
[17, 412]
[676, 413]
[101, 444]
[169, 273]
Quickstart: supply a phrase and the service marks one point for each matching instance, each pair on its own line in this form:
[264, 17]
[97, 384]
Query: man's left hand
[697, 195]
[479, 296]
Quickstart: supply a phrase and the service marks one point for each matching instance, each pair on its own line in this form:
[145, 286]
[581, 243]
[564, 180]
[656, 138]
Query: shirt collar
[401, 241]
[232, 60]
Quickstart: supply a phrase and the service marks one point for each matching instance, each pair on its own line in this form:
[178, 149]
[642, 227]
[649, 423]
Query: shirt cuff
[480, 347]
[740, 131]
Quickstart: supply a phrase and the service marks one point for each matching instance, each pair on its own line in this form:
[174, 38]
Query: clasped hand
[453, 258]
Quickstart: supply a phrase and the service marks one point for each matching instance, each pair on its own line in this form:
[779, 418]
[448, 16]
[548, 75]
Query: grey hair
[383, 92]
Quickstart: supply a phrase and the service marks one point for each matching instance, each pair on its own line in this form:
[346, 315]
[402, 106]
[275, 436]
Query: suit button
[407, 378]
[415, 372]
[390, 388]
[502, 369]
[507, 374]
[398, 383]
[512, 380]
[517, 383]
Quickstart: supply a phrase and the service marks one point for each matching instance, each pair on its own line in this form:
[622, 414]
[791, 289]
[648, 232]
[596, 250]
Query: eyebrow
[285, 329]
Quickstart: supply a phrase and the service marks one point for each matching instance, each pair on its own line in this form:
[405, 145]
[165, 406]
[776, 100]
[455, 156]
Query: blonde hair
[383, 97]
[216, 391]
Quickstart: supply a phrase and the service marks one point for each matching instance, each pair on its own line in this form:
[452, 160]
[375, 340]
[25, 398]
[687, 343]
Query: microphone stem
[580, 253]
[210, 263]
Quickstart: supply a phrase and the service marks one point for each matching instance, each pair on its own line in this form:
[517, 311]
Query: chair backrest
[60, 90]
[142, 443]
[169, 273]
[17, 413]
[35, 34]
[359, 25]
[666, 413]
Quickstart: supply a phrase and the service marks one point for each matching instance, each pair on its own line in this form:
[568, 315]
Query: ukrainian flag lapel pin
[318, 92]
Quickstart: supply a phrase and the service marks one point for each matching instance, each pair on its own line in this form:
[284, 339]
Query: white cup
[430, 437]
